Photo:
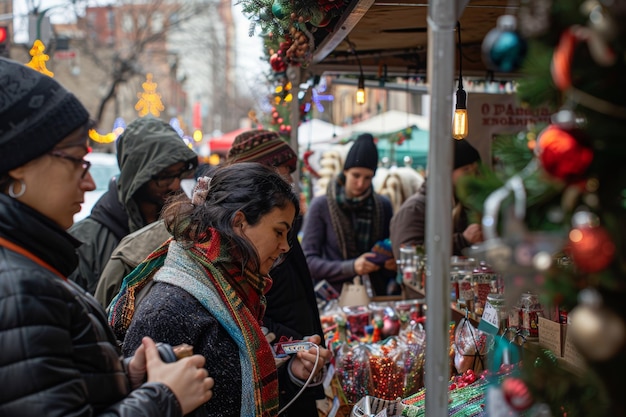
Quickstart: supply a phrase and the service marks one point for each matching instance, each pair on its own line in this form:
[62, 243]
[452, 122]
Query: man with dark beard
[153, 159]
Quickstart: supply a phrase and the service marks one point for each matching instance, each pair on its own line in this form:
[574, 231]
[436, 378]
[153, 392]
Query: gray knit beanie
[36, 113]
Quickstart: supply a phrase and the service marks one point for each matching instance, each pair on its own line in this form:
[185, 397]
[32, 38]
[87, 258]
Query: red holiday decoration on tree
[517, 394]
[591, 248]
[562, 59]
[562, 155]
[277, 63]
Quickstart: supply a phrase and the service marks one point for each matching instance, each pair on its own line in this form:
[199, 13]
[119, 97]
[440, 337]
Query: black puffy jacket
[58, 356]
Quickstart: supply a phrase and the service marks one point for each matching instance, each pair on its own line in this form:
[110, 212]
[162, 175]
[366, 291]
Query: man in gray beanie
[153, 159]
[408, 225]
[341, 227]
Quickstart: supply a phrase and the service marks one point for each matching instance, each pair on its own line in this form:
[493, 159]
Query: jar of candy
[530, 311]
[498, 302]
[481, 285]
[459, 268]
[357, 318]
[466, 293]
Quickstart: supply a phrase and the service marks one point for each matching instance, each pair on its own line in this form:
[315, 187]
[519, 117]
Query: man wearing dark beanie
[408, 225]
[341, 227]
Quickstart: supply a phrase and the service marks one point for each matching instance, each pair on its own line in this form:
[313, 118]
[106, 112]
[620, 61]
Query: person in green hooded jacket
[153, 159]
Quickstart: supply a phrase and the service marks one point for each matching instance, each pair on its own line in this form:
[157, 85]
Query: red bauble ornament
[591, 248]
[562, 155]
[517, 394]
[277, 63]
[560, 67]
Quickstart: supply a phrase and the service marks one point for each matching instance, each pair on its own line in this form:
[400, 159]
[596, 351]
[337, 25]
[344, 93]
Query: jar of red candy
[481, 285]
[530, 311]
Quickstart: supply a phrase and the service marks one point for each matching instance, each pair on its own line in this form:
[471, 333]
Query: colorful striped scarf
[236, 300]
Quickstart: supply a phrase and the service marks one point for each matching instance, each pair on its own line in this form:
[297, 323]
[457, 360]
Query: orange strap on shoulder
[15, 248]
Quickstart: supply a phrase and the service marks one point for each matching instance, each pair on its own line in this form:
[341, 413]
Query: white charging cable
[309, 379]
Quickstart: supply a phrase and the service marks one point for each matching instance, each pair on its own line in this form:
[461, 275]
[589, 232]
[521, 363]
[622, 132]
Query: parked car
[103, 168]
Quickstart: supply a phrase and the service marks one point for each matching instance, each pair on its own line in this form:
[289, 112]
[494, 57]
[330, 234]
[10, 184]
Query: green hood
[147, 146]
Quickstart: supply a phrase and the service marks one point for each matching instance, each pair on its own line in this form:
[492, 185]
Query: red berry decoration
[591, 248]
[561, 155]
[517, 394]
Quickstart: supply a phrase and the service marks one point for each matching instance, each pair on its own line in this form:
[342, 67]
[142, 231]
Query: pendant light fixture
[360, 90]
[460, 122]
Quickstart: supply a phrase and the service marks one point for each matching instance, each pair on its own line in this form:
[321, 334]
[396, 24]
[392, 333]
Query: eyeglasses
[84, 164]
[167, 180]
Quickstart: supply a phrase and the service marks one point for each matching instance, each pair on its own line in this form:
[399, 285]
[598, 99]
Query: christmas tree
[556, 199]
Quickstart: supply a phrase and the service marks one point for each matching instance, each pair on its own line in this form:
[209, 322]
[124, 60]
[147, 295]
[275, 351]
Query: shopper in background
[209, 284]
[59, 357]
[408, 225]
[342, 227]
[153, 159]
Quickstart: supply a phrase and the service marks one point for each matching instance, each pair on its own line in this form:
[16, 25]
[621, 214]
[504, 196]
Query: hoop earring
[12, 192]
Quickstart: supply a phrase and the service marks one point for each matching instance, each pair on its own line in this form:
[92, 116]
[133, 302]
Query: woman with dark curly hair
[208, 286]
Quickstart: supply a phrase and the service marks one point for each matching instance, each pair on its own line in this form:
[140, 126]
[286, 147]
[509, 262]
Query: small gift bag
[471, 346]
[353, 294]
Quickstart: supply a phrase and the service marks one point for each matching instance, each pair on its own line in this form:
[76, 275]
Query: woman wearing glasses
[153, 159]
[59, 357]
[209, 284]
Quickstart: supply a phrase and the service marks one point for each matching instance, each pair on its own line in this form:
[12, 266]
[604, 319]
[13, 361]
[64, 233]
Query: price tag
[489, 322]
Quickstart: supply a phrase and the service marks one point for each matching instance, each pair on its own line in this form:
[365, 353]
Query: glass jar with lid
[498, 302]
[530, 311]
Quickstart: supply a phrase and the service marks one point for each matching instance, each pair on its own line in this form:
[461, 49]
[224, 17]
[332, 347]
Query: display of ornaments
[597, 332]
[503, 48]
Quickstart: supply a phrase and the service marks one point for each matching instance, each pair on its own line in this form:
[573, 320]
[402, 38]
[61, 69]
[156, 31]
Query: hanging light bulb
[460, 122]
[360, 91]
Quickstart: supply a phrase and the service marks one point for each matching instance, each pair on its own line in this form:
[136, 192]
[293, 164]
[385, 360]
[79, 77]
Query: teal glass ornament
[503, 48]
[278, 10]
